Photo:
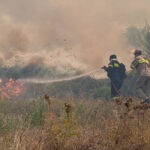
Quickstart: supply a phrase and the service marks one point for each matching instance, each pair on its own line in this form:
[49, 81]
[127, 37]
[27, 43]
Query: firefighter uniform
[116, 73]
[142, 66]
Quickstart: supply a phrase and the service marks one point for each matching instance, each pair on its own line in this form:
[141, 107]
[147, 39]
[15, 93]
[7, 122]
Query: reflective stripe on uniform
[142, 60]
[114, 65]
[139, 61]
[110, 66]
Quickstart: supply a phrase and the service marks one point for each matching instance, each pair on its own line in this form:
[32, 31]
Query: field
[70, 124]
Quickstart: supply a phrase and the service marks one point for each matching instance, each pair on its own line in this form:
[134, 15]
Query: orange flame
[11, 88]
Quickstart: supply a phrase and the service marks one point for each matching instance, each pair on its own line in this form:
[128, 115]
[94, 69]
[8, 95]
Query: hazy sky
[80, 33]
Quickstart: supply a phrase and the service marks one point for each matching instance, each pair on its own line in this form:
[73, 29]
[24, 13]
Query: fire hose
[32, 80]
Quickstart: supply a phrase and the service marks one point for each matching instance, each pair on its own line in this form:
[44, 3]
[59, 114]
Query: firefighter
[116, 72]
[141, 64]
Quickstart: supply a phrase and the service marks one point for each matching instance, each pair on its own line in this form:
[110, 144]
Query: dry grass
[74, 125]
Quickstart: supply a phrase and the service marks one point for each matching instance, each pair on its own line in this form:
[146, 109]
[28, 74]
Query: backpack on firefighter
[122, 71]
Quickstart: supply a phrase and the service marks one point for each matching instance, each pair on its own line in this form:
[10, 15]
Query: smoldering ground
[67, 34]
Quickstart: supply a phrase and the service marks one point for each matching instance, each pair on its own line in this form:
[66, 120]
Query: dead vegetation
[74, 125]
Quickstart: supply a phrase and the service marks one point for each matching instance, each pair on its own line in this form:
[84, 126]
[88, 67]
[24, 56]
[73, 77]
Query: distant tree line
[139, 37]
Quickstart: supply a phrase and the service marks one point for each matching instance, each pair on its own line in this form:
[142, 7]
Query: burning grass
[11, 88]
[74, 125]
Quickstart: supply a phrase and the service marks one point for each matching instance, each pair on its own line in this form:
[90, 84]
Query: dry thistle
[68, 108]
[95, 121]
[47, 99]
[128, 102]
[118, 101]
[142, 106]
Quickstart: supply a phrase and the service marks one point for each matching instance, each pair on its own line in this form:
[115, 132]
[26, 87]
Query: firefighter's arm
[108, 69]
[105, 68]
[134, 64]
[148, 58]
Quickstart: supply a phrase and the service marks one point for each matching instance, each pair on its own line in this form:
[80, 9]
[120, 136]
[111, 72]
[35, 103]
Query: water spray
[31, 80]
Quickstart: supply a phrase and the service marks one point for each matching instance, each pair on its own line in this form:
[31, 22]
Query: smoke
[67, 34]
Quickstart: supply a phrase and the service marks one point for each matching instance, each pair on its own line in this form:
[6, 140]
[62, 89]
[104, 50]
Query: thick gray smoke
[67, 34]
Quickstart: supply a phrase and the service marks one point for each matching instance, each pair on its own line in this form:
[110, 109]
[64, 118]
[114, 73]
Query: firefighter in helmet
[141, 64]
[116, 72]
